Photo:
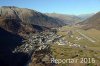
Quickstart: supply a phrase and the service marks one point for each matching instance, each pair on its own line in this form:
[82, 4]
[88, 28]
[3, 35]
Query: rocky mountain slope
[67, 19]
[92, 22]
[29, 17]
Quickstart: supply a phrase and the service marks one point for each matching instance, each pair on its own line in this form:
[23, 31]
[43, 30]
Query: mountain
[67, 19]
[85, 16]
[29, 16]
[92, 22]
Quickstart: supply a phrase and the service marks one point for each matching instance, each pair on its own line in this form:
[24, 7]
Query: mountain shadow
[8, 42]
[40, 28]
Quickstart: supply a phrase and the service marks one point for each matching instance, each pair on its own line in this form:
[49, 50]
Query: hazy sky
[57, 6]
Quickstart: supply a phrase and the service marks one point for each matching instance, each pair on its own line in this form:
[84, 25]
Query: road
[90, 39]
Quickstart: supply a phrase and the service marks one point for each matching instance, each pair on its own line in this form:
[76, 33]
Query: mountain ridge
[26, 20]
[25, 14]
[67, 19]
[92, 22]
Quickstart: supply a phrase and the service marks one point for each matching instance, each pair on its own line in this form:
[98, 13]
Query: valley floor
[80, 44]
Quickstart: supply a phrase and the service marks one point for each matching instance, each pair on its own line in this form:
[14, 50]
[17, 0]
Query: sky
[72, 7]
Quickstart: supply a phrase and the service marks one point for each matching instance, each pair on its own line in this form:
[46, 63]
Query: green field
[90, 39]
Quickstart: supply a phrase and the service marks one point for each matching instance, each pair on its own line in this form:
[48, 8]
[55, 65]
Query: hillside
[29, 16]
[67, 19]
[92, 22]
[85, 16]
